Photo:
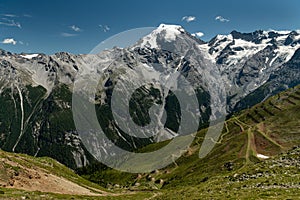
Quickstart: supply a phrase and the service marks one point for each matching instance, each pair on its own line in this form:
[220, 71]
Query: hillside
[257, 155]
[26, 177]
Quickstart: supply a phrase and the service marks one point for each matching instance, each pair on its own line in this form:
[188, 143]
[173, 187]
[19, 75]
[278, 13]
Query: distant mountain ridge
[36, 90]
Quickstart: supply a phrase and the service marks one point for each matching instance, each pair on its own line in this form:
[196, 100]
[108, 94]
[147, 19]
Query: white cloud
[198, 34]
[9, 41]
[75, 28]
[188, 19]
[9, 15]
[105, 28]
[221, 19]
[9, 22]
[68, 34]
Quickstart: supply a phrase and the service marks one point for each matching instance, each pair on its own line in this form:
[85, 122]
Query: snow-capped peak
[169, 27]
[163, 32]
[170, 31]
[222, 37]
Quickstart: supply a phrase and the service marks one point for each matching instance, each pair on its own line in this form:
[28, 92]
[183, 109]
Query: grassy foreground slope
[257, 156]
[27, 177]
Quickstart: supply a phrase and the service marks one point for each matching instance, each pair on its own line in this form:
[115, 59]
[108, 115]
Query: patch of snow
[219, 45]
[262, 156]
[262, 69]
[249, 49]
[297, 37]
[281, 38]
[205, 48]
[265, 41]
[286, 52]
[29, 56]
[248, 45]
[266, 33]
[149, 41]
[267, 59]
[147, 66]
[273, 59]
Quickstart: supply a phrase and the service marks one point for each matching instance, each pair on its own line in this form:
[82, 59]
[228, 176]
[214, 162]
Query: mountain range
[36, 89]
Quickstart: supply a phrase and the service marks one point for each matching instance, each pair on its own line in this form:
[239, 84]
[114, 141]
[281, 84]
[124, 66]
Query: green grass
[8, 193]
[274, 179]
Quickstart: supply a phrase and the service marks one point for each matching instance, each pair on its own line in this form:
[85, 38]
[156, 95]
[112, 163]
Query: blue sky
[77, 26]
